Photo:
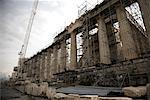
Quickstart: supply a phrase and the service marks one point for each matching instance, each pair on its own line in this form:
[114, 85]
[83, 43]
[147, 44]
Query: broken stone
[89, 97]
[51, 92]
[114, 98]
[28, 89]
[134, 91]
[43, 88]
[148, 89]
[31, 89]
[75, 96]
[60, 95]
[44, 84]
[27, 82]
[19, 83]
[35, 89]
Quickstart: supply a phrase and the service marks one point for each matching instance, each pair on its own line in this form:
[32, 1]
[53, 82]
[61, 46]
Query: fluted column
[126, 35]
[63, 55]
[45, 66]
[41, 69]
[55, 53]
[38, 67]
[73, 51]
[49, 64]
[103, 42]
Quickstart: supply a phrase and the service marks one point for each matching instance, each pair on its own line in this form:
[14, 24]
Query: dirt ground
[9, 93]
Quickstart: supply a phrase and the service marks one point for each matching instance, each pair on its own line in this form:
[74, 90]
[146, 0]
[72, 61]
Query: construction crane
[22, 53]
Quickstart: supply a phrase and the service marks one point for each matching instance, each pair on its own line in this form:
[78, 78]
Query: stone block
[148, 89]
[43, 88]
[114, 98]
[51, 92]
[89, 97]
[28, 89]
[74, 96]
[19, 83]
[31, 89]
[27, 82]
[61, 96]
[44, 84]
[134, 91]
[35, 89]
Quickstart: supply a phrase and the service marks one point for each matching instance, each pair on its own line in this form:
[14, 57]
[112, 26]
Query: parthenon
[106, 55]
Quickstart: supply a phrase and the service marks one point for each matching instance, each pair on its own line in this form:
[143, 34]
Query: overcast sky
[51, 17]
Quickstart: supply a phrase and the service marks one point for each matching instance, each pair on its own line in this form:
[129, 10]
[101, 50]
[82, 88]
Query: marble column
[55, 54]
[126, 35]
[38, 67]
[41, 68]
[103, 42]
[49, 64]
[73, 59]
[45, 66]
[63, 56]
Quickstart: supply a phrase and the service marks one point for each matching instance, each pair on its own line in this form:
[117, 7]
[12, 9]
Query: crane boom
[22, 53]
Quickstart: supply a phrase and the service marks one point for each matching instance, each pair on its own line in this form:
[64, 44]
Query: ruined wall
[99, 49]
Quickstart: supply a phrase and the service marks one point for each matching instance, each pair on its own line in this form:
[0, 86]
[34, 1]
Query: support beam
[73, 64]
[126, 35]
[103, 42]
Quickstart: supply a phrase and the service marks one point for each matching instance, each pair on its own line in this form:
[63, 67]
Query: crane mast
[22, 53]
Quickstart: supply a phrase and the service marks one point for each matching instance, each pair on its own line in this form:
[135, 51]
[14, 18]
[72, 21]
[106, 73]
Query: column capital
[99, 17]
[73, 26]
